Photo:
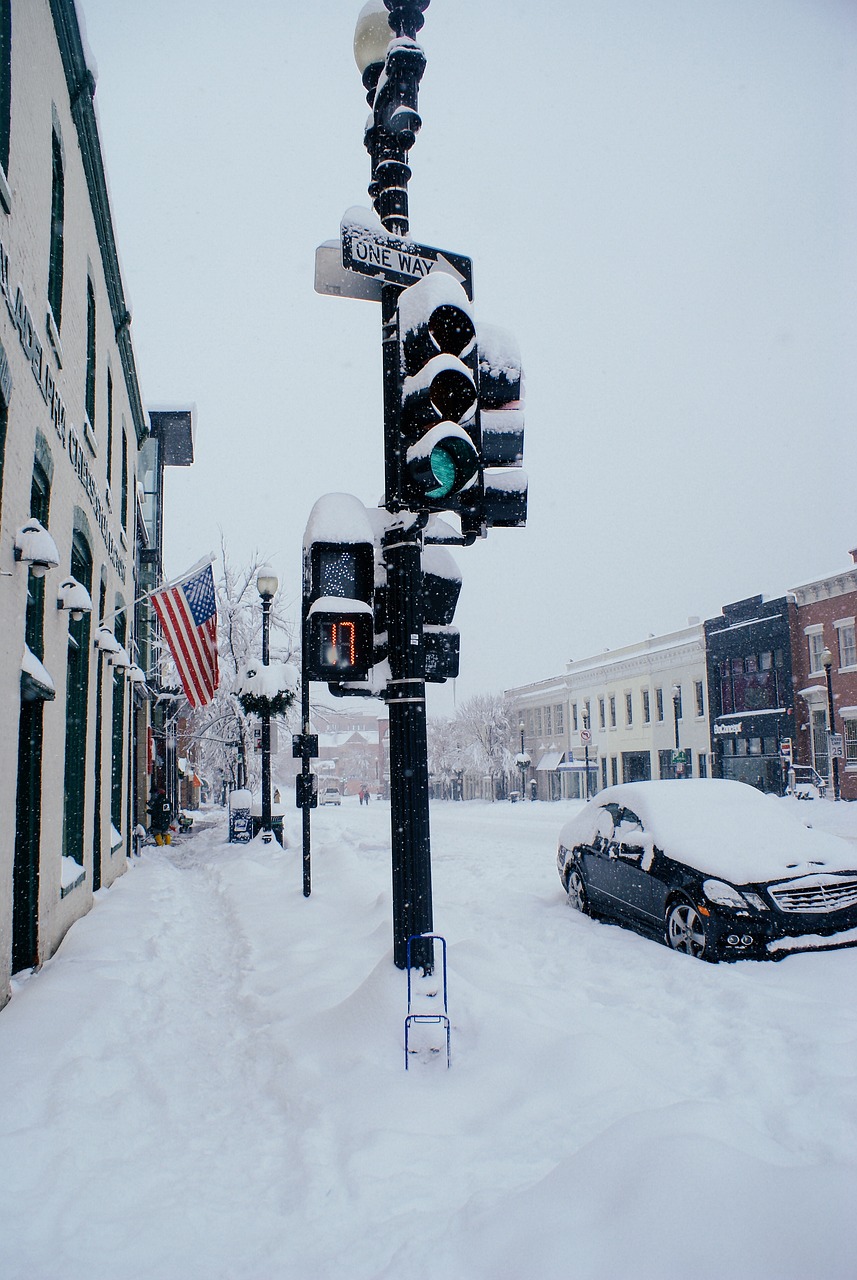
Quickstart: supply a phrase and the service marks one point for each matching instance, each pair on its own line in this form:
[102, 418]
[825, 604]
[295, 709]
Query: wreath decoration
[256, 704]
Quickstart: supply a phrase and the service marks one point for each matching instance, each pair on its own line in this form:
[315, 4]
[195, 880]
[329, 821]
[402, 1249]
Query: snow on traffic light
[436, 438]
[338, 584]
[502, 501]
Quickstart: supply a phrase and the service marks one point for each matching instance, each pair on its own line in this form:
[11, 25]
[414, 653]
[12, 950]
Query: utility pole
[453, 427]
[396, 105]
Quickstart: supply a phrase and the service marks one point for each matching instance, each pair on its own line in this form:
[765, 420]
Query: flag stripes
[187, 612]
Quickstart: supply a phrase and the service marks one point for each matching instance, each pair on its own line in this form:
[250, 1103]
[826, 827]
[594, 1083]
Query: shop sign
[34, 352]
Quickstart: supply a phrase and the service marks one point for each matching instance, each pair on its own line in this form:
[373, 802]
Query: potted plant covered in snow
[266, 690]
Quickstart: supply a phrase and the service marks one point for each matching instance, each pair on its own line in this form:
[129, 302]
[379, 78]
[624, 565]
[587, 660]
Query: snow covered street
[207, 1079]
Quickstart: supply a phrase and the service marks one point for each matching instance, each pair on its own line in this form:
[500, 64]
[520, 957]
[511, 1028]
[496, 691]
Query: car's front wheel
[577, 891]
[686, 931]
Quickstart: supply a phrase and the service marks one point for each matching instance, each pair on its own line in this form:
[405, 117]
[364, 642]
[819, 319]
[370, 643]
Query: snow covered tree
[485, 723]
[447, 755]
[223, 731]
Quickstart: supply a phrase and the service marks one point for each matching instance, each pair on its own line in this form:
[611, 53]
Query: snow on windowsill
[71, 875]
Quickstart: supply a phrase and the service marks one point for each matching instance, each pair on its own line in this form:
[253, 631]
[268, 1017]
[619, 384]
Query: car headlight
[724, 895]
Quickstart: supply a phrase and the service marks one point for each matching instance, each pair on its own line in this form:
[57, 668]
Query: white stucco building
[631, 713]
[71, 421]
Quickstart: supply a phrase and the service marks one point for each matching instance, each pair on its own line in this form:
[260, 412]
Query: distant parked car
[713, 867]
[330, 795]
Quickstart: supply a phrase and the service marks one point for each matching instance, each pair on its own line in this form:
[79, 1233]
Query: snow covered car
[331, 795]
[715, 868]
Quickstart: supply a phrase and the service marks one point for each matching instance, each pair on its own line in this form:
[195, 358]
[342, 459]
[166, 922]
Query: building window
[537, 719]
[90, 353]
[40, 502]
[700, 698]
[601, 717]
[587, 715]
[55, 264]
[815, 640]
[847, 644]
[574, 716]
[749, 683]
[629, 709]
[726, 700]
[647, 709]
[548, 718]
[614, 769]
[559, 719]
[659, 703]
[124, 510]
[677, 712]
[116, 766]
[109, 428]
[5, 82]
[612, 711]
[850, 741]
[77, 693]
[4, 422]
[702, 765]
[604, 771]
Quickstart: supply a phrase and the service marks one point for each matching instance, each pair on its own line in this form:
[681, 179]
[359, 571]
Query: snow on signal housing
[439, 429]
[503, 501]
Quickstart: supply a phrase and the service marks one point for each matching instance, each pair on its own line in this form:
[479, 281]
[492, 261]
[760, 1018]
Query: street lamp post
[523, 763]
[266, 584]
[586, 749]
[676, 711]
[833, 761]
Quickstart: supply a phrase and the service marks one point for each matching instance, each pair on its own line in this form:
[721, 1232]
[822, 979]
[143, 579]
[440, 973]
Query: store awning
[549, 761]
[36, 682]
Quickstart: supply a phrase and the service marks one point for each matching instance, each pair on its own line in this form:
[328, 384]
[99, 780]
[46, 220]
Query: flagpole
[165, 586]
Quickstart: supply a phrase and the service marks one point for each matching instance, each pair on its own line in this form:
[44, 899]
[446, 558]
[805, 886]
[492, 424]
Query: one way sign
[371, 252]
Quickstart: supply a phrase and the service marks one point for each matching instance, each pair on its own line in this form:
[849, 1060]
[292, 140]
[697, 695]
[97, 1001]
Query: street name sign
[371, 252]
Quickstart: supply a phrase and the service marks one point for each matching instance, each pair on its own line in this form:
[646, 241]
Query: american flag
[187, 611]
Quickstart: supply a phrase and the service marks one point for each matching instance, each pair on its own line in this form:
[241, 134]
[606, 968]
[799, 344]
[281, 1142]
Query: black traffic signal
[337, 590]
[441, 583]
[503, 500]
[306, 791]
[435, 442]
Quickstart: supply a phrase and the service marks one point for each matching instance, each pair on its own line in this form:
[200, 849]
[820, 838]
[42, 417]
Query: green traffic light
[443, 468]
[453, 462]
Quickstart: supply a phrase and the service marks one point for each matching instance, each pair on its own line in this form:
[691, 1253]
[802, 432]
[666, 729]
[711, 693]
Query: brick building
[824, 641]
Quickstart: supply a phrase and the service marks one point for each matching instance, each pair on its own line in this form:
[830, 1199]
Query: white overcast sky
[660, 199]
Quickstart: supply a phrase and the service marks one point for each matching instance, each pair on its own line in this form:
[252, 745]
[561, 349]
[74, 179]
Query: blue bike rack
[421, 1017]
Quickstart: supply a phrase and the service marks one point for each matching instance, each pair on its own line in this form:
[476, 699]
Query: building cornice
[838, 584]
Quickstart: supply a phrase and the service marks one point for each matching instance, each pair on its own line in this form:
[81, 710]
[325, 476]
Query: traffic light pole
[406, 702]
[406, 690]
